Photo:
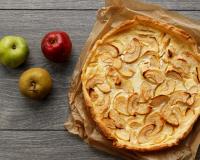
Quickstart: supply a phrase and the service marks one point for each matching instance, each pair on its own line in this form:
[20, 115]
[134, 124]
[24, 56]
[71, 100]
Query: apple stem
[13, 46]
[33, 85]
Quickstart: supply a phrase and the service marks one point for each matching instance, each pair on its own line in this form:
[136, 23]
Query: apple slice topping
[148, 134]
[109, 123]
[198, 73]
[119, 45]
[143, 108]
[160, 100]
[108, 48]
[113, 77]
[145, 132]
[179, 96]
[99, 81]
[172, 114]
[146, 91]
[134, 107]
[165, 39]
[123, 134]
[93, 95]
[169, 55]
[105, 88]
[115, 116]
[103, 105]
[94, 80]
[153, 127]
[154, 76]
[120, 103]
[154, 61]
[117, 63]
[156, 119]
[165, 88]
[181, 65]
[132, 101]
[106, 59]
[172, 73]
[126, 71]
[101, 100]
[132, 52]
[134, 124]
[150, 44]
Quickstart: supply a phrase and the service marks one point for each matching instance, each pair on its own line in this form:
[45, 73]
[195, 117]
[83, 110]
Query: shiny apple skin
[56, 46]
[14, 51]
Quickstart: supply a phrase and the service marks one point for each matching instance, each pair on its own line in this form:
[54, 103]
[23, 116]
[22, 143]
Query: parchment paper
[79, 121]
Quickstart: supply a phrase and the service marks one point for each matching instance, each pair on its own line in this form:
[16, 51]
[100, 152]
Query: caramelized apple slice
[147, 134]
[105, 88]
[119, 45]
[155, 130]
[106, 58]
[191, 99]
[120, 103]
[93, 95]
[132, 101]
[123, 134]
[134, 124]
[143, 108]
[167, 87]
[117, 63]
[167, 129]
[155, 118]
[113, 77]
[172, 73]
[181, 65]
[115, 116]
[172, 114]
[103, 105]
[109, 123]
[154, 61]
[94, 80]
[179, 96]
[132, 53]
[198, 73]
[146, 91]
[159, 100]
[134, 107]
[165, 41]
[126, 72]
[169, 55]
[154, 76]
[150, 44]
[108, 48]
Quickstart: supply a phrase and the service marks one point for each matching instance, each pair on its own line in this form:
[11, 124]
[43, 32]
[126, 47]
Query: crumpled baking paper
[79, 121]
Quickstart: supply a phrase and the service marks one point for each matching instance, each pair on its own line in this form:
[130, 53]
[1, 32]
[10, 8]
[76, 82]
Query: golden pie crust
[141, 84]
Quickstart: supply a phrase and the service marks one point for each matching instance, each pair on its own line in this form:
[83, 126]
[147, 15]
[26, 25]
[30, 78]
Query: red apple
[56, 46]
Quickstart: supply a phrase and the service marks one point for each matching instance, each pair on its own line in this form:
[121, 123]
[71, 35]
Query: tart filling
[141, 84]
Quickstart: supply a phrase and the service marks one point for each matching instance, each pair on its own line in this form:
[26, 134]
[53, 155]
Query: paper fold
[79, 121]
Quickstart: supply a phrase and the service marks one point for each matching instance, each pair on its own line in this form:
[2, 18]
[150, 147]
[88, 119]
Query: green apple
[13, 51]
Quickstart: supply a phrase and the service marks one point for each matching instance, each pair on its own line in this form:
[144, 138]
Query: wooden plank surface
[88, 4]
[34, 129]
[18, 112]
[46, 145]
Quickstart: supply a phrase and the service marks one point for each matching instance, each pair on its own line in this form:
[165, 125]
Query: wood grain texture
[89, 4]
[18, 112]
[46, 145]
[34, 129]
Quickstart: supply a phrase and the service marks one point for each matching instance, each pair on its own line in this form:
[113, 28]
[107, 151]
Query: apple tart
[141, 84]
